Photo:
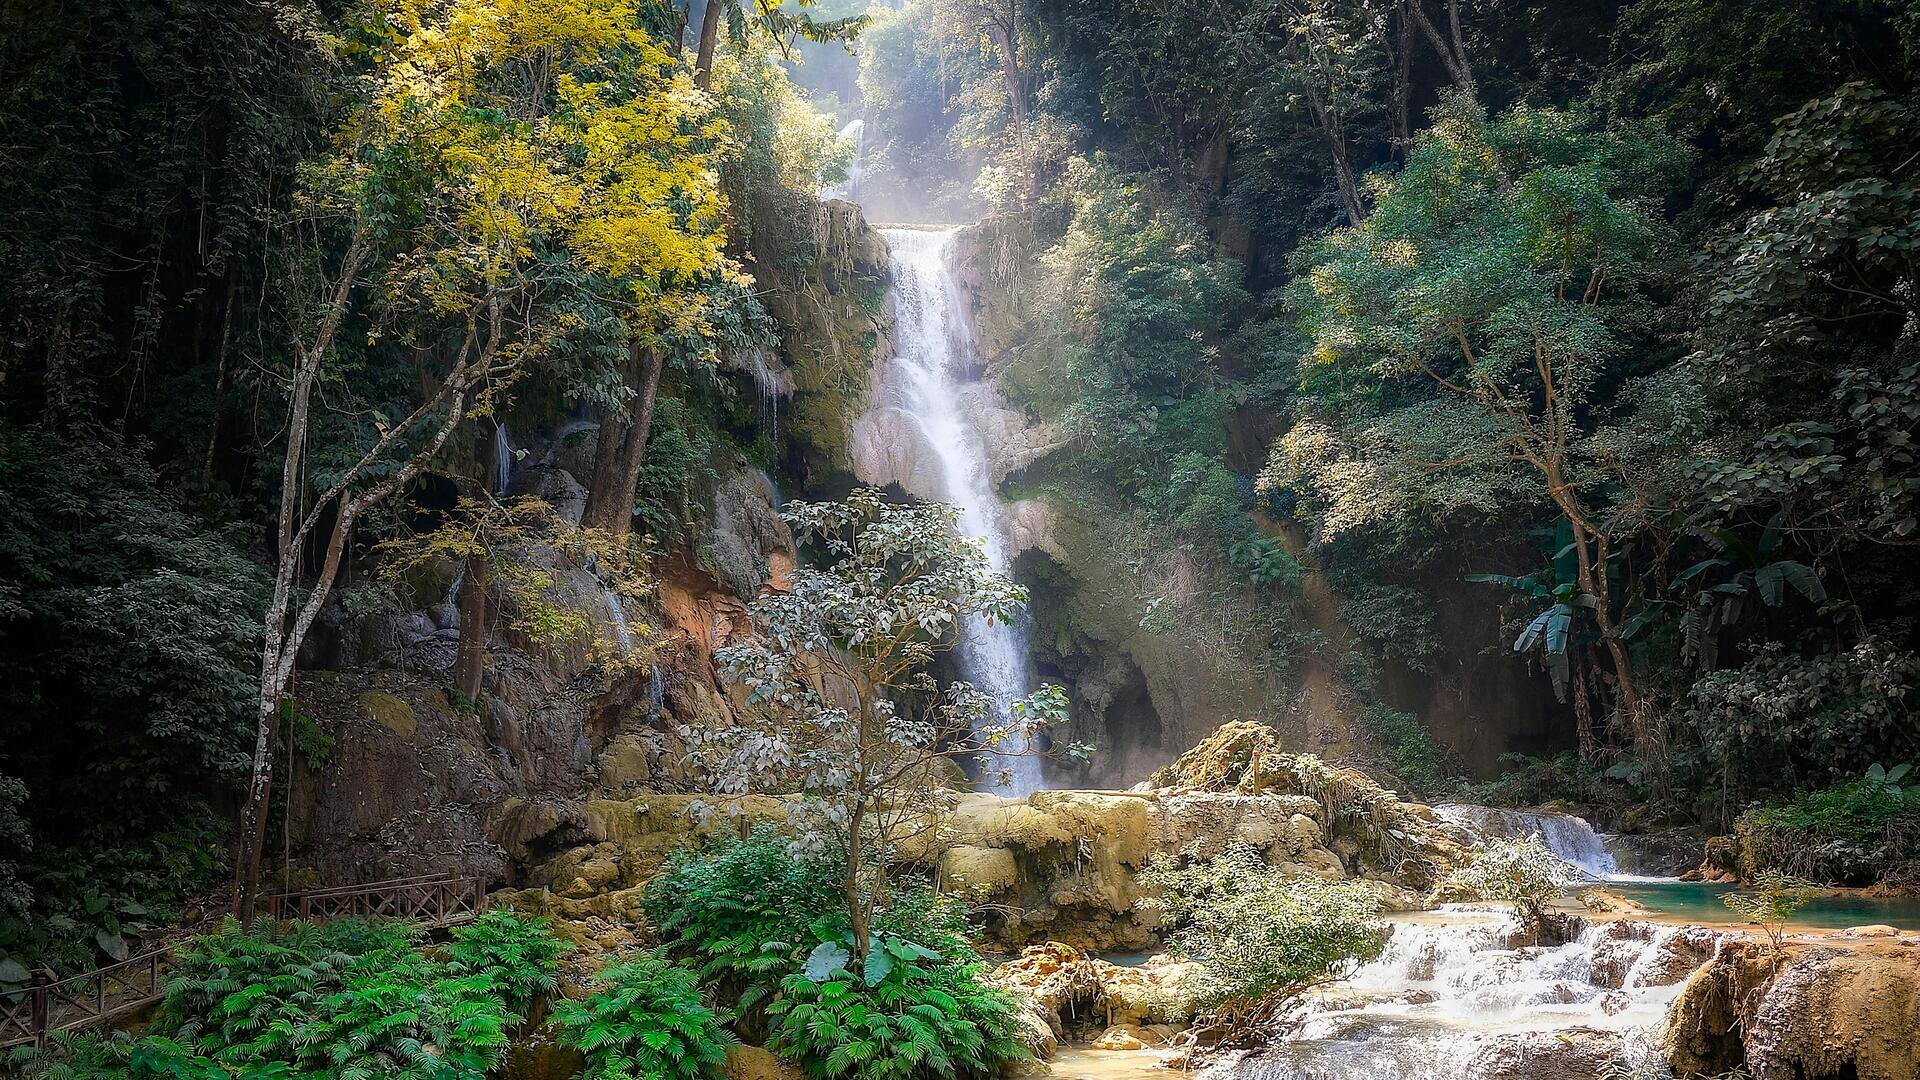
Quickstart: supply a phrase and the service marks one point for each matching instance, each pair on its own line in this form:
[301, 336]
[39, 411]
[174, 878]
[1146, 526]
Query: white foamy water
[1567, 836]
[933, 351]
[1459, 995]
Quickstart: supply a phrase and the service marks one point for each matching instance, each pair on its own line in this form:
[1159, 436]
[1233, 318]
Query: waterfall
[1569, 837]
[933, 350]
[502, 459]
[856, 132]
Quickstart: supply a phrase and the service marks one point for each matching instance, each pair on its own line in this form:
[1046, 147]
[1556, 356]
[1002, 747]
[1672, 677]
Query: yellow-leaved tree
[491, 157]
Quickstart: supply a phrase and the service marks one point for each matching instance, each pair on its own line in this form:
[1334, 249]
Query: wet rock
[1563, 1054]
[1820, 1013]
[556, 485]
[747, 539]
[1125, 1037]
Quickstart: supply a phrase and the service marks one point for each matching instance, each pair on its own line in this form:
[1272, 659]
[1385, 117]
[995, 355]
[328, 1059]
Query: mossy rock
[391, 712]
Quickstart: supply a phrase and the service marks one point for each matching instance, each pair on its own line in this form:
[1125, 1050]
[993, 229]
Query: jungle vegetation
[1600, 315]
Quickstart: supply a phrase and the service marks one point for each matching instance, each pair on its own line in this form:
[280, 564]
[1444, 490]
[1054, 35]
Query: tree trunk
[1004, 36]
[282, 639]
[1399, 118]
[623, 450]
[634, 453]
[1591, 577]
[602, 504]
[471, 663]
[856, 911]
[1452, 49]
[709, 31]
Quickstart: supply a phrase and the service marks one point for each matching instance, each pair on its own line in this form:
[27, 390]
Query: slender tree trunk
[1399, 117]
[623, 449]
[1005, 35]
[1452, 48]
[1591, 577]
[471, 663]
[285, 626]
[856, 910]
[709, 32]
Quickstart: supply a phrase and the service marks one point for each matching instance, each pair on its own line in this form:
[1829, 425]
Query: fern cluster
[645, 1021]
[740, 915]
[517, 955]
[914, 1018]
[351, 1000]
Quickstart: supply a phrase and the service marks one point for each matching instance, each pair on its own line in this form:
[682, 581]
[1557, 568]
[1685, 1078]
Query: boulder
[981, 872]
[1126, 1037]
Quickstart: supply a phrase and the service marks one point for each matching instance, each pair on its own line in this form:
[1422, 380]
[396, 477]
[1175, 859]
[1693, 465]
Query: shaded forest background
[1355, 269]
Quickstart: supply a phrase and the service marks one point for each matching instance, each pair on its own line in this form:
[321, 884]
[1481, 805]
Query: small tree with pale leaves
[851, 720]
[1769, 902]
[1521, 871]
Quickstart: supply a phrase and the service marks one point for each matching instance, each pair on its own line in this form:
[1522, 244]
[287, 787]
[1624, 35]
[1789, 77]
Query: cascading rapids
[1567, 836]
[1458, 994]
[932, 351]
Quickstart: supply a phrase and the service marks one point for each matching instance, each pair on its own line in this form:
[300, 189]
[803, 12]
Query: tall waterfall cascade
[932, 352]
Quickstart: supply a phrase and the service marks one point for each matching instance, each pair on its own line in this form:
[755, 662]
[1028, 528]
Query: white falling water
[933, 349]
[502, 459]
[1569, 837]
[856, 133]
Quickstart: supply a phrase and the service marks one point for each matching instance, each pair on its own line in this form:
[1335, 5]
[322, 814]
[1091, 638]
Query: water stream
[1569, 837]
[932, 353]
[1459, 993]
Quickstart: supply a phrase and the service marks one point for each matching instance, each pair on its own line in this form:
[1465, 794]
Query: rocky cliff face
[397, 774]
[412, 779]
[834, 327]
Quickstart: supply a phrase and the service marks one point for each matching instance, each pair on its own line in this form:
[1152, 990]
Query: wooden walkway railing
[32, 1013]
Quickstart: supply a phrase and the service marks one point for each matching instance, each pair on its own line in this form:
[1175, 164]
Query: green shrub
[1257, 933]
[918, 1016]
[351, 1000]
[645, 1021]
[1770, 901]
[1521, 871]
[744, 914]
[740, 914]
[1411, 753]
[1849, 833]
[515, 954]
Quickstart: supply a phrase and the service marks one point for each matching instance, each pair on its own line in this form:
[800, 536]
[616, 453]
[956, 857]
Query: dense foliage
[1258, 933]
[915, 1013]
[351, 999]
[644, 1020]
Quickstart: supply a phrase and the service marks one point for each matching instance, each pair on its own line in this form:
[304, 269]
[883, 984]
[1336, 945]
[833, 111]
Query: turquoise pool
[1699, 901]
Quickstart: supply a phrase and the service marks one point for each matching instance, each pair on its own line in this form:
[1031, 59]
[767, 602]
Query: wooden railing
[434, 900]
[33, 1012]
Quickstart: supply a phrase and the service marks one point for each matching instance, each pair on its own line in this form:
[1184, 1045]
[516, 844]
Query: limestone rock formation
[1821, 1013]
